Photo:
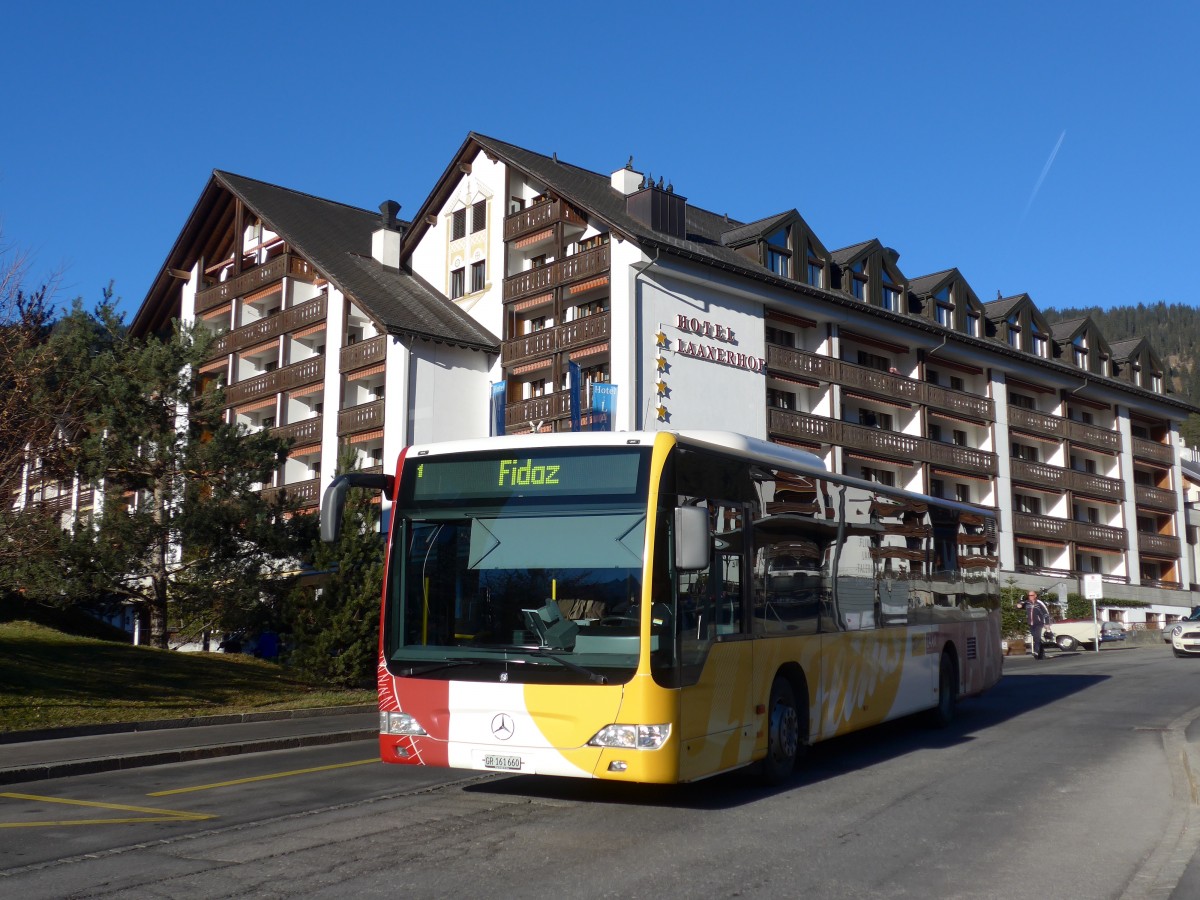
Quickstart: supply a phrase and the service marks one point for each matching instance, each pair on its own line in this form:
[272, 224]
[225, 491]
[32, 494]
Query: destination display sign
[526, 473]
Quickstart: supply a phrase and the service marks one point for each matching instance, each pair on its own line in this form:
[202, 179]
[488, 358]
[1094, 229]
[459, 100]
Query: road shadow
[1012, 696]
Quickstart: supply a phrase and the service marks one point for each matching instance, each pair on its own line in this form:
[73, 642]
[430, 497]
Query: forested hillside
[1173, 331]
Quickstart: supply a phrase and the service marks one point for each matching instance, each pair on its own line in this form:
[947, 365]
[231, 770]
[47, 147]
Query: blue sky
[1040, 147]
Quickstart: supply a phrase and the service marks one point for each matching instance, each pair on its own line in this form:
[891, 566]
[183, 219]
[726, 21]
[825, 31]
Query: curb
[44, 771]
[45, 734]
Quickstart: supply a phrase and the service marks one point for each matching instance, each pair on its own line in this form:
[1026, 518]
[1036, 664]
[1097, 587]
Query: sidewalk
[34, 756]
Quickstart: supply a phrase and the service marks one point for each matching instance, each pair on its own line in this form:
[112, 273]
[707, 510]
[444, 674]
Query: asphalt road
[1068, 779]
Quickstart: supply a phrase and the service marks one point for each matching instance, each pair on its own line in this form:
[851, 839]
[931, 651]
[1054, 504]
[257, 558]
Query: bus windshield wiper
[444, 664]
[592, 676]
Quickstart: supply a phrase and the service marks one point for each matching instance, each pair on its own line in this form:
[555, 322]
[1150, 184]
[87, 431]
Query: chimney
[385, 242]
[659, 208]
[625, 180]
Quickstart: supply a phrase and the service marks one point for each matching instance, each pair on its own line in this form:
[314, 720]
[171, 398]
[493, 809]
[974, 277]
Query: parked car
[1170, 630]
[1185, 637]
[1071, 633]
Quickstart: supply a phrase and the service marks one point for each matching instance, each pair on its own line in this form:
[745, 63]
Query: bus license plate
[508, 763]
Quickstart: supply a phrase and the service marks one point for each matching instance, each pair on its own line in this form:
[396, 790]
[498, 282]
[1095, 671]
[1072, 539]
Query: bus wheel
[783, 733]
[943, 714]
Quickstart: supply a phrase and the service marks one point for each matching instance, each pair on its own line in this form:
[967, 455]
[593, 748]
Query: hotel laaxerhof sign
[722, 355]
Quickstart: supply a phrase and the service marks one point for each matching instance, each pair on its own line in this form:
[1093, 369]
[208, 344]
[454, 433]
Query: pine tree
[182, 527]
[336, 626]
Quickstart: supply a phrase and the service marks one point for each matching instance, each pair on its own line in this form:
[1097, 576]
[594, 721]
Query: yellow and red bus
[662, 607]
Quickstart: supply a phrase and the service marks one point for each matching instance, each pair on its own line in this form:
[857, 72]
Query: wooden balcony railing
[251, 280]
[1155, 498]
[272, 326]
[540, 215]
[1158, 544]
[875, 441]
[372, 350]
[580, 332]
[573, 268]
[1093, 436]
[1153, 450]
[301, 494]
[1054, 529]
[790, 361]
[1045, 475]
[295, 375]
[300, 433]
[363, 417]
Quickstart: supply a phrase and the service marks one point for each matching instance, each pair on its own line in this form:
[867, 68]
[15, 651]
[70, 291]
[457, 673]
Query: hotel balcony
[300, 433]
[1064, 429]
[890, 445]
[364, 353]
[272, 326]
[1104, 537]
[885, 385]
[1154, 498]
[295, 375]
[540, 216]
[588, 264]
[364, 417]
[1154, 451]
[1158, 544]
[1058, 478]
[548, 408]
[252, 279]
[301, 495]
[582, 331]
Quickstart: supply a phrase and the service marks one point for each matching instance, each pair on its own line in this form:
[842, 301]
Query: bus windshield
[523, 567]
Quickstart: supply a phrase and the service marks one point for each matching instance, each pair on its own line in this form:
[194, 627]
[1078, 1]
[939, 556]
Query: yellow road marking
[151, 814]
[221, 784]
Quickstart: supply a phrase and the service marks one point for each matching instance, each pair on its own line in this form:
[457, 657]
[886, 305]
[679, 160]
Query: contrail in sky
[1045, 172]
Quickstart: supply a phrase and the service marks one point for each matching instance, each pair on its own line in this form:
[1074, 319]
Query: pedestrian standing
[1039, 618]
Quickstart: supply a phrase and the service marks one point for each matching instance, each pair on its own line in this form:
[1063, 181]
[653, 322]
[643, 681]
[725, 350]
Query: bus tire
[783, 733]
[943, 714]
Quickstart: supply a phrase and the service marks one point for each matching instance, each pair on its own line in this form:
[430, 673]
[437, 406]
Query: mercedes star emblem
[502, 726]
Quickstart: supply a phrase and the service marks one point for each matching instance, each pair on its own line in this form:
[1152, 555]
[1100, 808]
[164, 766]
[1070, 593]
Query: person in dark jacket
[1039, 618]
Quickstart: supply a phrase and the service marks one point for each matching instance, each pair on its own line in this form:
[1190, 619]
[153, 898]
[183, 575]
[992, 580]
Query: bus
[661, 607]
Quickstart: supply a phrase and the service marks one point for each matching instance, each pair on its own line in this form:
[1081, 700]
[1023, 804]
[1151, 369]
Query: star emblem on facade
[663, 414]
[660, 339]
[661, 387]
[661, 363]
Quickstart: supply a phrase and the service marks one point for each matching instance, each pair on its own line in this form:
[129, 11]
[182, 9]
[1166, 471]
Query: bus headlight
[632, 737]
[399, 723]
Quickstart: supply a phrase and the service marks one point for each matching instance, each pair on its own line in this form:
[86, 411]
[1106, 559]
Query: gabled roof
[927, 284]
[754, 231]
[1122, 350]
[1065, 331]
[336, 240]
[593, 193]
[847, 255]
[997, 310]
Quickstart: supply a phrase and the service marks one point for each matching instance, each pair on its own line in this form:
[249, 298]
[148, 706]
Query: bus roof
[752, 448]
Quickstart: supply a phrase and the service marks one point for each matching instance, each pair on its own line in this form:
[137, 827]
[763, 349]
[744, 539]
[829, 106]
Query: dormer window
[858, 280]
[779, 256]
[973, 324]
[1156, 382]
[890, 298]
[1014, 332]
[944, 308]
[1040, 346]
[1080, 351]
[816, 268]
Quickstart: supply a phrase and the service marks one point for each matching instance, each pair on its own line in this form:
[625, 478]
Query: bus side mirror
[335, 499]
[691, 538]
